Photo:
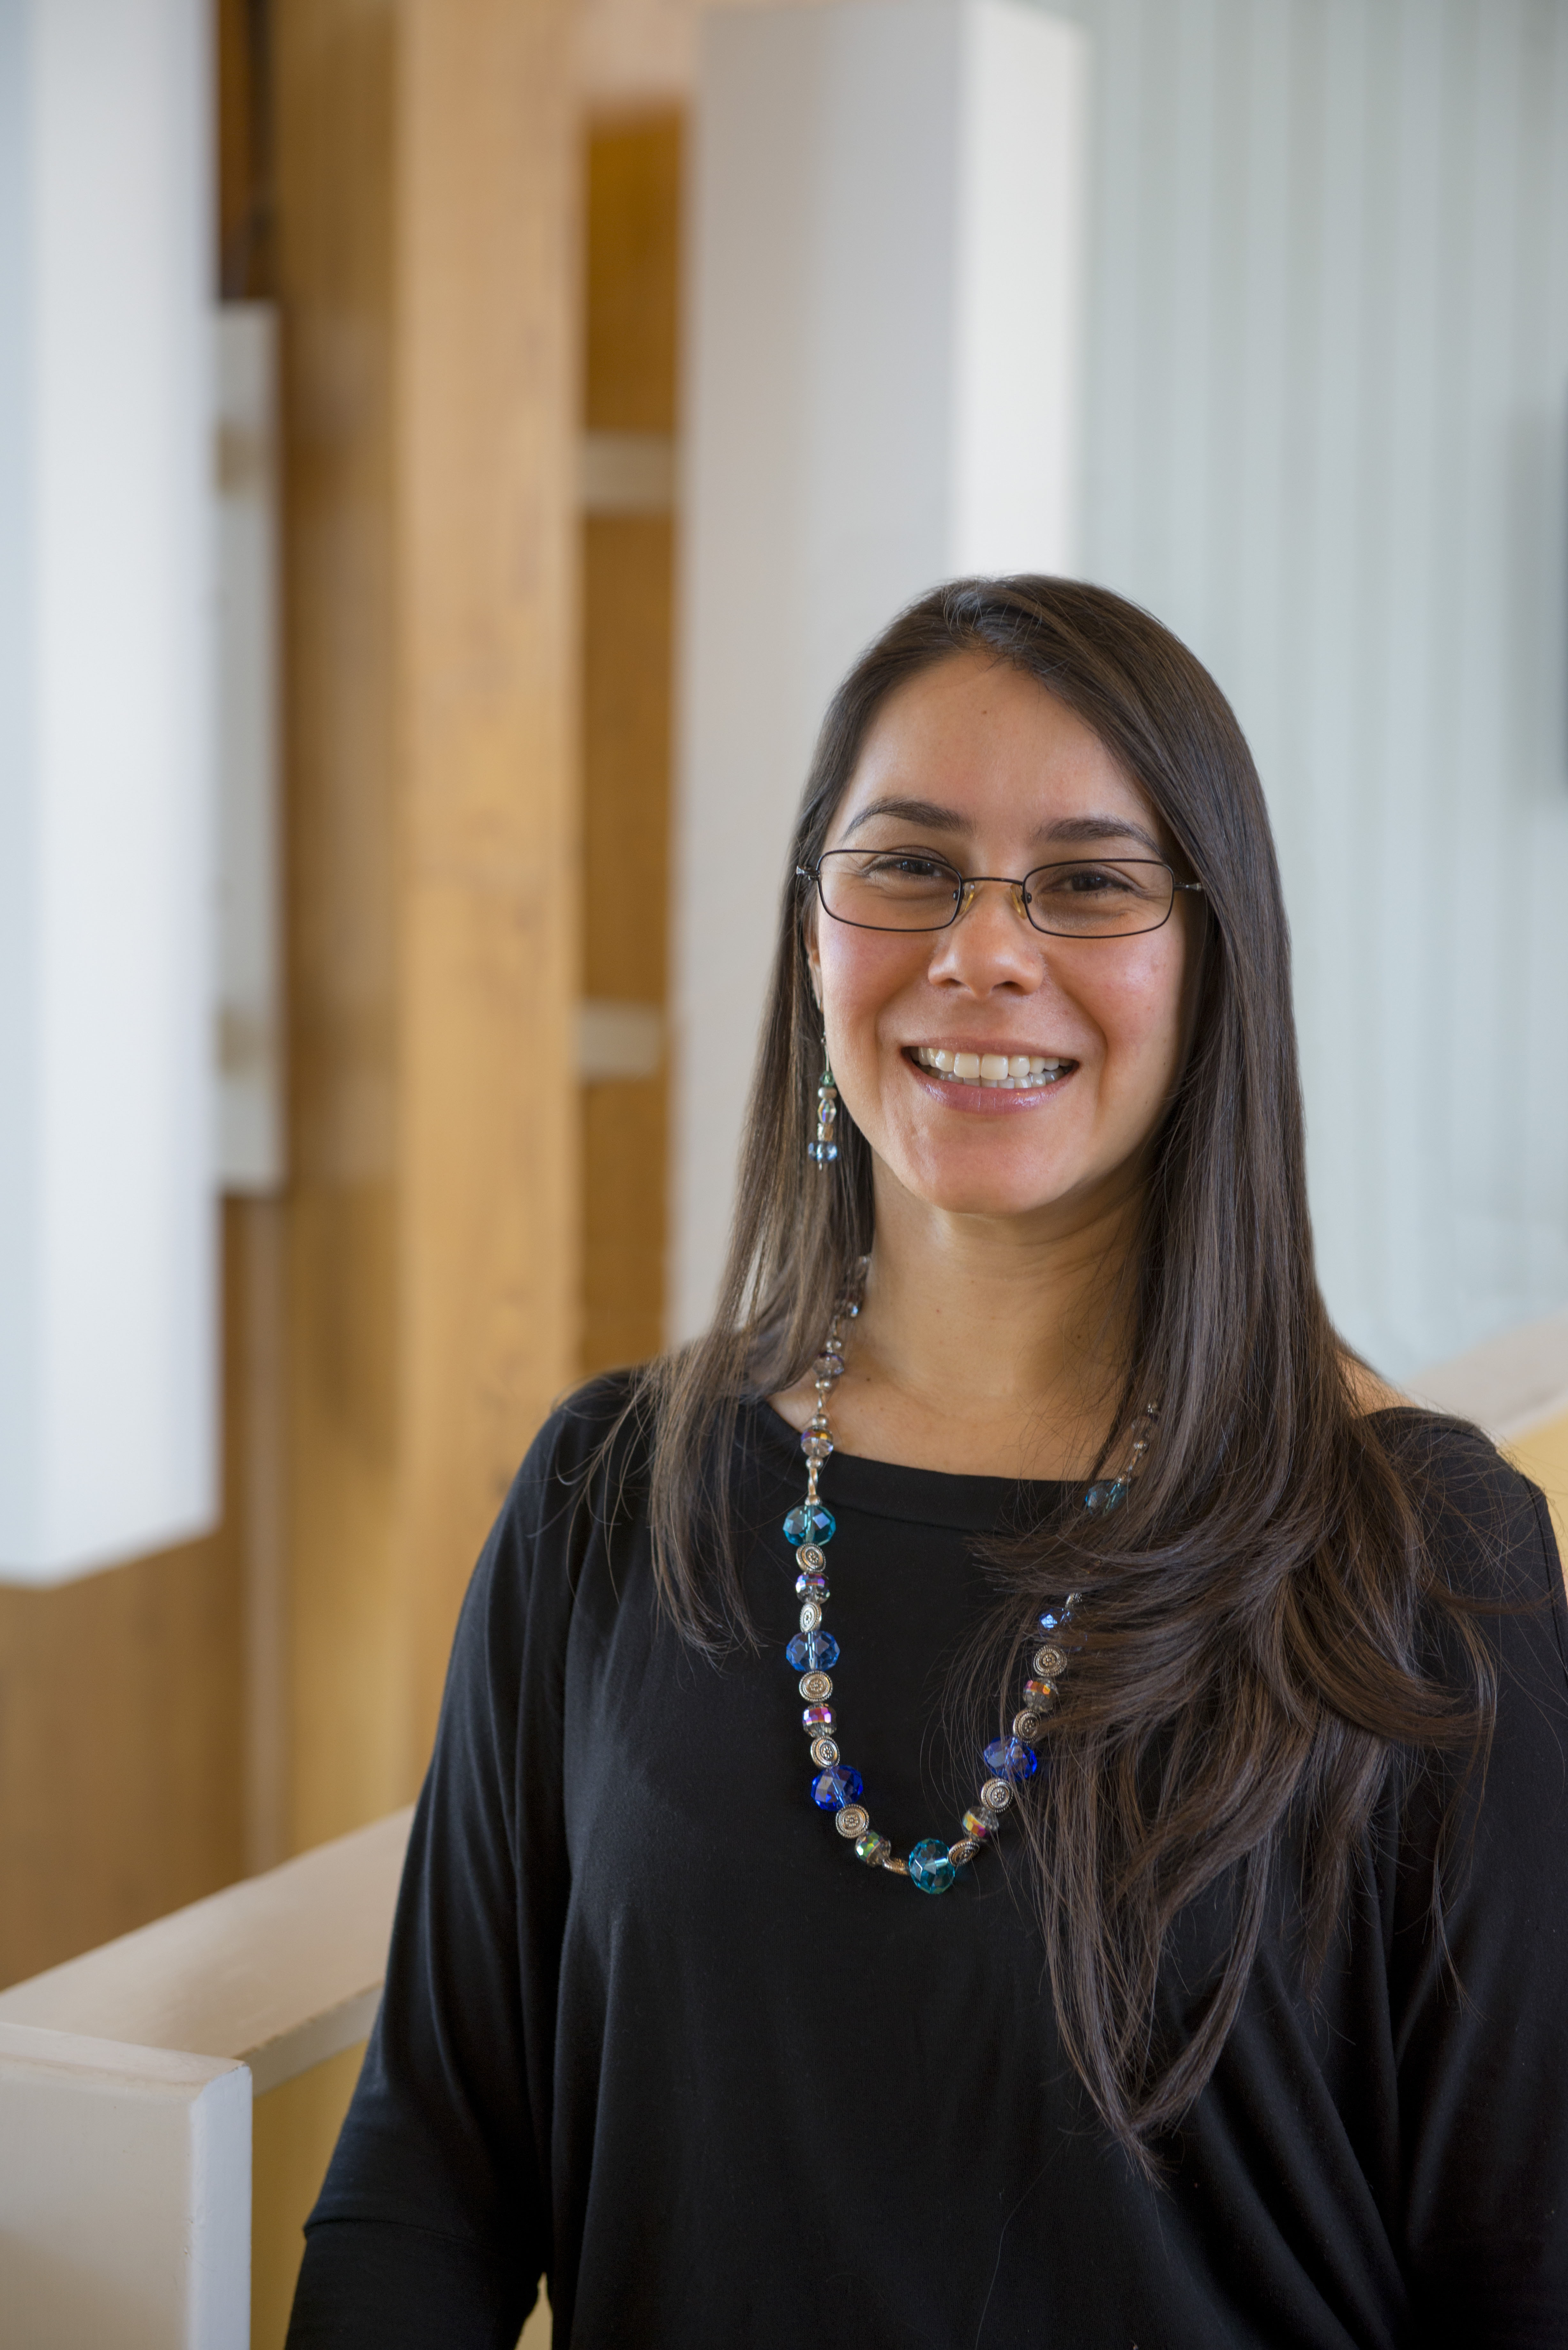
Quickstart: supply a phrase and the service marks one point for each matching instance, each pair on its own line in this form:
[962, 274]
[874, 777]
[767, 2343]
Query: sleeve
[433, 2224]
[1482, 2026]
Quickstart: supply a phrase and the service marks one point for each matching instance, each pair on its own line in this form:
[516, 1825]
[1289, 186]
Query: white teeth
[1007, 1073]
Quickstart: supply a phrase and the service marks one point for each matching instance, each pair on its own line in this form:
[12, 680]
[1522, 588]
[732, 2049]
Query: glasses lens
[889, 888]
[1099, 900]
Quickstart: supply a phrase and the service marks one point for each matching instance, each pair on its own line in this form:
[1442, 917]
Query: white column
[107, 1298]
[125, 2195]
[882, 370]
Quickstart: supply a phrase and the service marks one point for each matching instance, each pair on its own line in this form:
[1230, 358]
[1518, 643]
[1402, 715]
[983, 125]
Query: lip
[990, 1101]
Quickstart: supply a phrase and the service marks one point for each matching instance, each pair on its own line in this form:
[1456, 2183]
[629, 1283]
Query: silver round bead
[824, 1751]
[1050, 1661]
[852, 1821]
[1027, 1725]
[963, 1851]
[996, 1794]
[812, 1556]
[810, 1616]
[816, 1688]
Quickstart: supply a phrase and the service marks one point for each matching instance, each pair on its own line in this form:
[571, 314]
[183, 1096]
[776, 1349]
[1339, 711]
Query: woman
[1220, 1698]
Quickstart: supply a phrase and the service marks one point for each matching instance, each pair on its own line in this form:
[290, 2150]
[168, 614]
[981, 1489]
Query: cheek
[1139, 1010]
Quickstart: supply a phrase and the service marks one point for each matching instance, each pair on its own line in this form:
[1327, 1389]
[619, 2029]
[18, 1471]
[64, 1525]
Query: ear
[813, 960]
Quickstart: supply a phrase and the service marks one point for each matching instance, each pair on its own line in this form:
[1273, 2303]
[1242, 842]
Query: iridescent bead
[871, 1848]
[813, 1651]
[818, 1717]
[1101, 1499]
[816, 1443]
[823, 1751]
[980, 1825]
[812, 1583]
[829, 1365]
[1041, 1696]
[996, 1794]
[804, 1525]
[929, 1867]
[1009, 1758]
[838, 1785]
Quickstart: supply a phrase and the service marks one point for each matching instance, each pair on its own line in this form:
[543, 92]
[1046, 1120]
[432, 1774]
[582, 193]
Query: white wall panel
[1326, 427]
[882, 365]
[106, 1359]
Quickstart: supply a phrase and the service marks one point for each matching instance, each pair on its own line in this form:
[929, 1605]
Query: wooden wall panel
[630, 338]
[425, 244]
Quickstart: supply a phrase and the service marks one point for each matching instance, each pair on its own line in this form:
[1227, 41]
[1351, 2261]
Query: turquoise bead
[809, 1525]
[929, 1867]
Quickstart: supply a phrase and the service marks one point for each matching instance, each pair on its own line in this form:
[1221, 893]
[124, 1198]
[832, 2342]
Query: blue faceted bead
[1101, 1499]
[1009, 1759]
[929, 1867]
[813, 1652]
[1053, 1618]
[809, 1525]
[836, 1788]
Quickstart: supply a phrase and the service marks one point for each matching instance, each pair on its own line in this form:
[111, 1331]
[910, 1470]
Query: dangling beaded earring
[826, 1146]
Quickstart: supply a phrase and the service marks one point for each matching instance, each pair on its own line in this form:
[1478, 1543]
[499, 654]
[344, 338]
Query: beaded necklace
[1010, 1762]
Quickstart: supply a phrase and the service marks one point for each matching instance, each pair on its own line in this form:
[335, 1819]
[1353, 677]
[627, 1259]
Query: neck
[994, 1345]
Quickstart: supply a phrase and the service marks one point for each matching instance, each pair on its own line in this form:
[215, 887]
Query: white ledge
[278, 1972]
[1508, 1384]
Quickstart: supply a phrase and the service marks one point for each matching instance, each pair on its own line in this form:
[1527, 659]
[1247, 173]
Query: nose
[991, 944]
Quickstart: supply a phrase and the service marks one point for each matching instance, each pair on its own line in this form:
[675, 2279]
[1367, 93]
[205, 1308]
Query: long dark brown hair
[1256, 1605]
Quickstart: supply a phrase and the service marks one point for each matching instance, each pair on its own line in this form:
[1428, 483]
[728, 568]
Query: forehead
[973, 745]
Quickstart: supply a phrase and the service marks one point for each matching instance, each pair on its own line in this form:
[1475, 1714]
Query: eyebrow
[1066, 829]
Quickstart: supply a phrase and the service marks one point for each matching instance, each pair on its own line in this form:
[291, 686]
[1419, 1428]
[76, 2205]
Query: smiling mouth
[1007, 1073]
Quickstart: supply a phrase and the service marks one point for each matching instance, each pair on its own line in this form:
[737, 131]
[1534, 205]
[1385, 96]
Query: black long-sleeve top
[650, 2029]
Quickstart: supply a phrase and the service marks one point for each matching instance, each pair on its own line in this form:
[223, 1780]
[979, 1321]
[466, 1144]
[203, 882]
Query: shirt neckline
[887, 1489]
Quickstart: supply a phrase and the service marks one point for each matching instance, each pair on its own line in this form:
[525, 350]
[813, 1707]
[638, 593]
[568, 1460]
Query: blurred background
[449, 450]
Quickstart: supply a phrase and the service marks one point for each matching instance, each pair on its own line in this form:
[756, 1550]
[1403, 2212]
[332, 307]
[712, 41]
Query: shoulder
[1486, 1526]
[1491, 1547]
[584, 1473]
[599, 1432]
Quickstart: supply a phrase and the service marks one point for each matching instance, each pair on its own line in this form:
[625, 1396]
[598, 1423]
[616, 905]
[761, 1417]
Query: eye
[906, 865]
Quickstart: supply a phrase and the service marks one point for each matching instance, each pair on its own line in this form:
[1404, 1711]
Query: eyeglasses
[905, 890]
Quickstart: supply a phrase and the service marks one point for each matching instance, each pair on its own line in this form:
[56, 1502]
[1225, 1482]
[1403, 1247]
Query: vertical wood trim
[487, 847]
[426, 248]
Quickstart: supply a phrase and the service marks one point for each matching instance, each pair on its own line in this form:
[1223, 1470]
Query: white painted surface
[1509, 1385]
[1326, 430]
[250, 1039]
[125, 2196]
[884, 259]
[279, 1972]
[107, 1381]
